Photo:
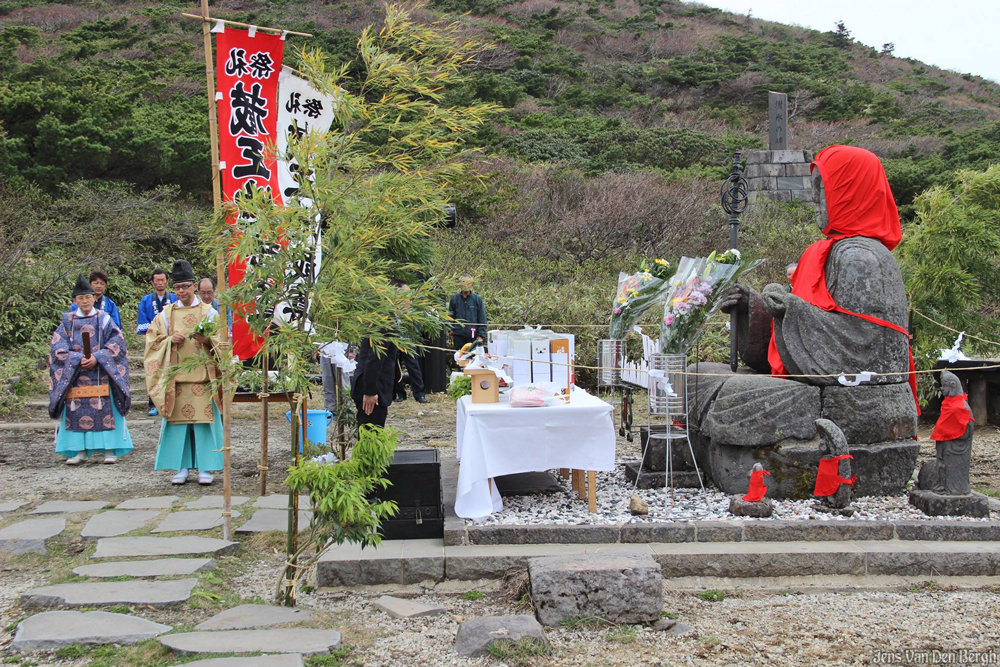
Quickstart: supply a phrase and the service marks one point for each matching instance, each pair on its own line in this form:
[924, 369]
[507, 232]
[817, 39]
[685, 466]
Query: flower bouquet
[636, 294]
[693, 295]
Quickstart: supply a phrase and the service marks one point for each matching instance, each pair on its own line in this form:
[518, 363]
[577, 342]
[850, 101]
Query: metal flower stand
[668, 391]
[611, 362]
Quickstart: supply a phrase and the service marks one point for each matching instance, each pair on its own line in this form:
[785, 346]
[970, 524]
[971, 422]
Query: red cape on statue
[757, 488]
[828, 479]
[954, 419]
[858, 203]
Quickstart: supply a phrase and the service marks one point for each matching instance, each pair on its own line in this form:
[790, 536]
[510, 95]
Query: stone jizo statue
[835, 478]
[943, 487]
[948, 473]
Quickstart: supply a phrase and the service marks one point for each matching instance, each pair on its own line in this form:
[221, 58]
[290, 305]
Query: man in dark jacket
[469, 313]
[373, 382]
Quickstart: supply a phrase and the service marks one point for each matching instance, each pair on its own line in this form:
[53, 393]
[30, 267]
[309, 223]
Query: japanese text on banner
[247, 82]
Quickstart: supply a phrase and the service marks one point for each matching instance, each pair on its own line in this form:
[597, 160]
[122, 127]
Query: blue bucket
[314, 430]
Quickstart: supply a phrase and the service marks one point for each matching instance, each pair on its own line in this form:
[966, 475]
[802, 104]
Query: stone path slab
[401, 608]
[11, 506]
[214, 502]
[280, 660]
[254, 616]
[191, 520]
[187, 545]
[154, 503]
[277, 501]
[475, 635]
[54, 629]
[117, 522]
[264, 520]
[305, 641]
[162, 567]
[152, 593]
[69, 506]
[29, 536]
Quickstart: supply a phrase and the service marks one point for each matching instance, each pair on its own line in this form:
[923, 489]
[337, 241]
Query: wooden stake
[263, 429]
[220, 271]
[211, 19]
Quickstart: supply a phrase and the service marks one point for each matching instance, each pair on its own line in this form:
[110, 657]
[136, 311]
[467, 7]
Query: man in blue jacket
[467, 309]
[151, 306]
[102, 302]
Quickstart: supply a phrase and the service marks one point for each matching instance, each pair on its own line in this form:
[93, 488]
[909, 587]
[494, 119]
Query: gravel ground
[614, 490]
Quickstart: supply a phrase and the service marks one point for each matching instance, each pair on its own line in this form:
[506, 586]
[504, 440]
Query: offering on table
[531, 395]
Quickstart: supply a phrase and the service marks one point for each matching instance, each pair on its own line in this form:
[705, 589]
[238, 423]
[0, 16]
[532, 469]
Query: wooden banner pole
[263, 428]
[220, 271]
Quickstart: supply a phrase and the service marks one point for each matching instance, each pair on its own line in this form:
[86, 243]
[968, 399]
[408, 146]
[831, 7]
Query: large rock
[871, 414]
[477, 634]
[756, 410]
[882, 469]
[150, 593]
[29, 535]
[54, 629]
[305, 641]
[616, 587]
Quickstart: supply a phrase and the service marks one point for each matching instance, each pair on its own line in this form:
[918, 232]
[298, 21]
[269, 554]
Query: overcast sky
[959, 35]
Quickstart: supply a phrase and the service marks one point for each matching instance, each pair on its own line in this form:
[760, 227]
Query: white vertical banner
[301, 109]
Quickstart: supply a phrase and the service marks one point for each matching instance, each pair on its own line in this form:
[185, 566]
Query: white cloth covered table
[495, 439]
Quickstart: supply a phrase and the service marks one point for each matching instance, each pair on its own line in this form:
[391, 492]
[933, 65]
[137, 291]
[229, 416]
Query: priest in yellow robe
[186, 393]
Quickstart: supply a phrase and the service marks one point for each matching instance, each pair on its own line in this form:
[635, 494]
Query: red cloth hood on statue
[954, 419]
[858, 203]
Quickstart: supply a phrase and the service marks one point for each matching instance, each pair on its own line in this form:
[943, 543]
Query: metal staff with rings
[735, 196]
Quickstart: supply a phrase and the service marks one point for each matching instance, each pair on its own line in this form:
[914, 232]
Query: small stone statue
[949, 472]
[754, 503]
[943, 487]
[834, 479]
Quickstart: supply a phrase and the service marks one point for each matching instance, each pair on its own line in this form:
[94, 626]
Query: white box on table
[541, 369]
[519, 349]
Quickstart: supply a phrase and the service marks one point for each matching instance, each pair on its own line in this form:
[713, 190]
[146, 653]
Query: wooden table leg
[592, 490]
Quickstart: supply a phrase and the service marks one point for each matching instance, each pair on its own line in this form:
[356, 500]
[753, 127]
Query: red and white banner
[247, 64]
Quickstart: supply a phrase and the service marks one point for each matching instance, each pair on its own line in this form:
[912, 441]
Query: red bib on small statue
[757, 488]
[828, 479]
[954, 419]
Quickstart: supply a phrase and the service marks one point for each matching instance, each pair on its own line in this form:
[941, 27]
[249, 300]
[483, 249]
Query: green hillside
[620, 118]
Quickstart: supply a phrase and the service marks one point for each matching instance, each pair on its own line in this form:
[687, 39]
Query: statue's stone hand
[737, 297]
[776, 299]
